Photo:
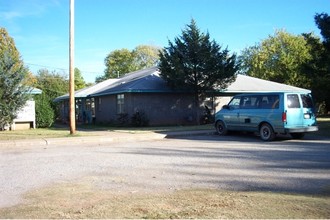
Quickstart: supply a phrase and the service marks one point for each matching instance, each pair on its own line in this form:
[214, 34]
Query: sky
[40, 28]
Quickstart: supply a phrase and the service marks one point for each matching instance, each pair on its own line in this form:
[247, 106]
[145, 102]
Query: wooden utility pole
[72, 104]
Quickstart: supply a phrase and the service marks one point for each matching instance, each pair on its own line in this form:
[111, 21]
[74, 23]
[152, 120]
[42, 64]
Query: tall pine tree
[321, 86]
[197, 64]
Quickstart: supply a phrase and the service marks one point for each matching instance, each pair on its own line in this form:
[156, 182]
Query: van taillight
[284, 117]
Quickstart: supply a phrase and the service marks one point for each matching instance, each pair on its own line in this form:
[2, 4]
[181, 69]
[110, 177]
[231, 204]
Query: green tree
[52, 84]
[278, 58]
[79, 81]
[145, 56]
[120, 62]
[197, 64]
[13, 91]
[318, 69]
[323, 23]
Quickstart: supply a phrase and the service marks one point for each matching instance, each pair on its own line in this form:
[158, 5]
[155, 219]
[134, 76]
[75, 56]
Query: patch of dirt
[84, 199]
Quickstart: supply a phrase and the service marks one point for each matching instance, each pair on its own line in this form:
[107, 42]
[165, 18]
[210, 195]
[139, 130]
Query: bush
[122, 119]
[44, 112]
[140, 119]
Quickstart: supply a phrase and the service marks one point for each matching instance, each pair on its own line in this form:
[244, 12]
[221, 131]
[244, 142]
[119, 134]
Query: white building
[26, 117]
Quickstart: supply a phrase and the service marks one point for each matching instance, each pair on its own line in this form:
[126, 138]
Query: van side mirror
[225, 107]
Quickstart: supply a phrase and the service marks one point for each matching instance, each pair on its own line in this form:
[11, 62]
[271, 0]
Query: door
[294, 111]
[231, 117]
[249, 113]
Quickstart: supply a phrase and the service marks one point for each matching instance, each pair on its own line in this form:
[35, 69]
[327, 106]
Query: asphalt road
[236, 162]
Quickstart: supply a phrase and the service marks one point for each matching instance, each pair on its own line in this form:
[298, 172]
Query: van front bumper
[302, 130]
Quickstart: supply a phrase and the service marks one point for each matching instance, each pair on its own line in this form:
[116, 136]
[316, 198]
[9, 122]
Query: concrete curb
[103, 139]
[189, 133]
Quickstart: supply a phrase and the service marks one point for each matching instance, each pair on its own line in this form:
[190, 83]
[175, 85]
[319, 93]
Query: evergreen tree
[44, 112]
[197, 64]
[316, 69]
[13, 92]
[323, 23]
[321, 87]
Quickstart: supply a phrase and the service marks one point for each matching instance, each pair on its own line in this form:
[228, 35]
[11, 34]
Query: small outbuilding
[26, 117]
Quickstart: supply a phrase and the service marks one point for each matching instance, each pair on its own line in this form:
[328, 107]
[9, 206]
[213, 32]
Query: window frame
[120, 103]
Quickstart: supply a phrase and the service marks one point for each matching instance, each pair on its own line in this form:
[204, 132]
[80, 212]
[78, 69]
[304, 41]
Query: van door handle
[237, 115]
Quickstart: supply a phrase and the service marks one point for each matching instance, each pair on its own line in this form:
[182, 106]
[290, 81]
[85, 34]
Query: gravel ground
[169, 164]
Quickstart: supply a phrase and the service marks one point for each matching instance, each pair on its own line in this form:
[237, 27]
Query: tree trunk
[197, 108]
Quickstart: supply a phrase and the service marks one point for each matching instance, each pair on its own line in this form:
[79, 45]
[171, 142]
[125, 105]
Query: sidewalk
[101, 138]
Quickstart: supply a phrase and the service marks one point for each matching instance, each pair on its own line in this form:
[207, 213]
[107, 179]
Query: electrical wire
[63, 69]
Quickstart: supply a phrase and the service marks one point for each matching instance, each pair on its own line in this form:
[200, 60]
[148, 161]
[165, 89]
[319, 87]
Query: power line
[63, 69]
[49, 67]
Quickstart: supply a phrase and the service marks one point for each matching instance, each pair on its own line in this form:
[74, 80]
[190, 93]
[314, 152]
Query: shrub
[44, 112]
[123, 119]
[139, 119]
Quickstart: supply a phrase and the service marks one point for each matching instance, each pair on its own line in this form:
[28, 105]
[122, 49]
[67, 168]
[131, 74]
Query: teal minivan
[269, 114]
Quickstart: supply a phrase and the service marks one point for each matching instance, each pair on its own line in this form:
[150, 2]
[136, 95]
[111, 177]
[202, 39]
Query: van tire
[221, 128]
[297, 135]
[266, 132]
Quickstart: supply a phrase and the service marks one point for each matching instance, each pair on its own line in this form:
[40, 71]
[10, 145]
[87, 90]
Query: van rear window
[307, 101]
[293, 101]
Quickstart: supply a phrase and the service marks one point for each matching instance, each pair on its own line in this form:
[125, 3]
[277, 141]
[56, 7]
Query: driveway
[238, 162]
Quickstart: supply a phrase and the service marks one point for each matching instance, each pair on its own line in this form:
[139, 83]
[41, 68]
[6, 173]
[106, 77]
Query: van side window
[307, 101]
[293, 101]
[249, 102]
[269, 102]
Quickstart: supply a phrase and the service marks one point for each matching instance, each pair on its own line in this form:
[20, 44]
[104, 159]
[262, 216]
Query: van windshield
[234, 103]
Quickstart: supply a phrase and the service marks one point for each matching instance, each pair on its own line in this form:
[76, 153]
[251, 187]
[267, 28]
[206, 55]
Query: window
[249, 102]
[307, 101]
[120, 103]
[269, 102]
[90, 106]
[234, 103]
[293, 101]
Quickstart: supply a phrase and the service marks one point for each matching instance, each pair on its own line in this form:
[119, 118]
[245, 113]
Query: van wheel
[221, 128]
[266, 132]
[297, 135]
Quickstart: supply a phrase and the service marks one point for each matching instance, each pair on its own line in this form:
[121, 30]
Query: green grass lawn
[81, 131]
[33, 133]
